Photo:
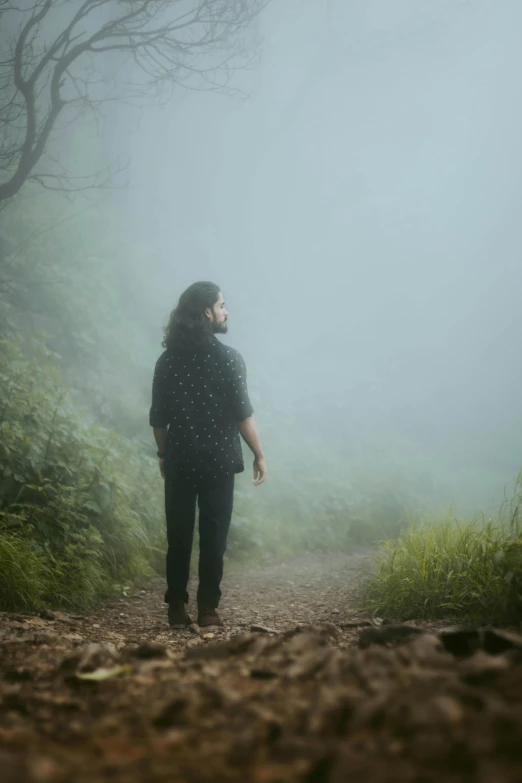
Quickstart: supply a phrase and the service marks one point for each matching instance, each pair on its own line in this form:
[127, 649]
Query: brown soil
[116, 696]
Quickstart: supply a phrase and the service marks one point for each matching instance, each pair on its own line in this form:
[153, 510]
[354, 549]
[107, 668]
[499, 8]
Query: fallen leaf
[104, 674]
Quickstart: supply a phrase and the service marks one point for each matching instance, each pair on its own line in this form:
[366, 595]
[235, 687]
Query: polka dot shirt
[201, 396]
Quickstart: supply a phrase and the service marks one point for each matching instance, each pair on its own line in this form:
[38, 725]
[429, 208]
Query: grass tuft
[453, 569]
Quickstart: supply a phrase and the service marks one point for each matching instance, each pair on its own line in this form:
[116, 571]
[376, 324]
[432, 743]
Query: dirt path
[116, 696]
[309, 589]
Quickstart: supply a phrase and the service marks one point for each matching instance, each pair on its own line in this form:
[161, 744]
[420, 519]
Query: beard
[219, 328]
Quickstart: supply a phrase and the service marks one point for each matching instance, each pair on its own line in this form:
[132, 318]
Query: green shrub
[75, 498]
[451, 569]
[24, 576]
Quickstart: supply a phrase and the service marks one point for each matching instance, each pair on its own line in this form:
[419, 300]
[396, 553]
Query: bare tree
[52, 67]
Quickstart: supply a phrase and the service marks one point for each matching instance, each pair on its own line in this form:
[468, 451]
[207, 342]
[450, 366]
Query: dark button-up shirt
[201, 396]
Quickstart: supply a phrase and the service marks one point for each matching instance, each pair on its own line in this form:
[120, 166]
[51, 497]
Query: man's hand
[160, 436]
[260, 471]
[249, 433]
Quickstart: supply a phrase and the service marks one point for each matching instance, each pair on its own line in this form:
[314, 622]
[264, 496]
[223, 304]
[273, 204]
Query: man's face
[218, 315]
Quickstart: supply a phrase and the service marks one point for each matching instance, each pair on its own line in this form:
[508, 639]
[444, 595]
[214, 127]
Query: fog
[358, 206]
[355, 193]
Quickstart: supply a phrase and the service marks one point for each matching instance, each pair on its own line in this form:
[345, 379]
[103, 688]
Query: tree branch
[169, 40]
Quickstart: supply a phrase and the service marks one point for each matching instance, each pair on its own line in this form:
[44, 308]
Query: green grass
[451, 569]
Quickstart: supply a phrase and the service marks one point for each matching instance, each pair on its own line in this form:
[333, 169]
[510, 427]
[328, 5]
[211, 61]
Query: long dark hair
[188, 326]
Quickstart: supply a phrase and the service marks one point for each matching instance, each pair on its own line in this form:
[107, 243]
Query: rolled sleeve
[241, 405]
[158, 414]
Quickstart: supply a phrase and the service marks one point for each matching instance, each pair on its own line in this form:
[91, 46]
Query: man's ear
[208, 313]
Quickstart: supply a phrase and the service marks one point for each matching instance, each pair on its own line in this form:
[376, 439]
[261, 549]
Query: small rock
[208, 635]
[48, 614]
[262, 629]
[36, 621]
[72, 637]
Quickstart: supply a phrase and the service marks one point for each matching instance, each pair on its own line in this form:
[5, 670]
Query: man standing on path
[200, 406]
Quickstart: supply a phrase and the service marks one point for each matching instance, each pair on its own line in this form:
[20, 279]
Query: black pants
[215, 502]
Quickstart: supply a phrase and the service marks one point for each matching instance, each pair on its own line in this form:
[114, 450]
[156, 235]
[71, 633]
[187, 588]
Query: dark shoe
[178, 615]
[208, 616]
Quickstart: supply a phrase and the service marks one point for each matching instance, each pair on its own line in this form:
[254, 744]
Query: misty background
[358, 205]
[355, 193]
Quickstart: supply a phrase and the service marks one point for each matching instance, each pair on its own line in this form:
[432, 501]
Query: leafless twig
[45, 77]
